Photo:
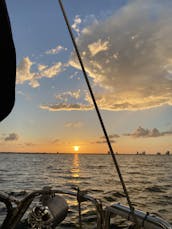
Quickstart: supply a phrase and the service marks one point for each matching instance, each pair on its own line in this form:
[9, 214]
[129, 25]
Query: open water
[148, 179]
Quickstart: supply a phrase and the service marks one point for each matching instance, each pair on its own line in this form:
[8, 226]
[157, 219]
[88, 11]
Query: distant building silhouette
[167, 152]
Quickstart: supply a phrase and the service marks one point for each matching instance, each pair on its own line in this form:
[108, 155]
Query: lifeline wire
[98, 113]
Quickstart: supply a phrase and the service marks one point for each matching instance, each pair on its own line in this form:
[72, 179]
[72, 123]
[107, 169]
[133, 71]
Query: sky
[126, 48]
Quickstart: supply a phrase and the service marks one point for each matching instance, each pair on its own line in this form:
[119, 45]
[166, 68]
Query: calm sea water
[148, 179]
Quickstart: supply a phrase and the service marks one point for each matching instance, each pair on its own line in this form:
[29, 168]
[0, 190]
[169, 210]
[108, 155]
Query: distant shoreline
[120, 154]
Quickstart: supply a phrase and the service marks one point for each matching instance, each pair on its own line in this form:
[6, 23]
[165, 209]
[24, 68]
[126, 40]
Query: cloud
[129, 56]
[65, 95]
[56, 141]
[12, 137]
[27, 96]
[98, 46]
[66, 107]
[34, 83]
[29, 144]
[75, 74]
[112, 136]
[41, 67]
[73, 124]
[104, 141]
[24, 70]
[69, 102]
[101, 142]
[25, 73]
[141, 132]
[52, 71]
[56, 50]
[77, 22]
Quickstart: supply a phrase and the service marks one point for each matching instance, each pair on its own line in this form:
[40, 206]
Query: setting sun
[76, 148]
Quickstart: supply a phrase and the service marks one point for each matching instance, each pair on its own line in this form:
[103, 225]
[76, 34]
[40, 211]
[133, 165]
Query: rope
[99, 209]
[98, 113]
[79, 210]
[145, 218]
[79, 199]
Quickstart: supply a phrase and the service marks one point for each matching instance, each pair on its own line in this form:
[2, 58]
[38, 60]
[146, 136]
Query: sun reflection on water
[75, 168]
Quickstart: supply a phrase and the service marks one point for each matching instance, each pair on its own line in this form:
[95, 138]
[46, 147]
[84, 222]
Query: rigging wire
[98, 113]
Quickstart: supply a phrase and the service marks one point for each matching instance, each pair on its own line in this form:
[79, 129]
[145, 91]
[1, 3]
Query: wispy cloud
[27, 96]
[52, 71]
[25, 73]
[11, 137]
[98, 46]
[55, 141]
[74, 124]
[104, 141]
[66, 107]
[56, 50]
[29, 144]
[112, 138]
[77, 22]
[146, 133]
[69, 101]
[65, 95]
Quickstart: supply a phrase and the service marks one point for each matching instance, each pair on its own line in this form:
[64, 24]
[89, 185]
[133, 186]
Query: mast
[98, 114]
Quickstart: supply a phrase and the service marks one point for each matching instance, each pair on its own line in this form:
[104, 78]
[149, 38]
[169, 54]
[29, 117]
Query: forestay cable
[98, 113]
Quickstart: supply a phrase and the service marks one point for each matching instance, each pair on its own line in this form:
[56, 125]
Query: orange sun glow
[76, 148]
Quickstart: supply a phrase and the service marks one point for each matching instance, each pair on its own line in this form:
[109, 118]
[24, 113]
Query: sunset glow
[125, 50]
[76, 148]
